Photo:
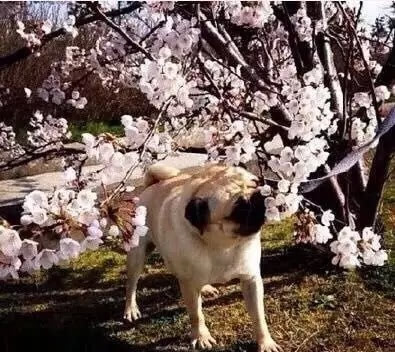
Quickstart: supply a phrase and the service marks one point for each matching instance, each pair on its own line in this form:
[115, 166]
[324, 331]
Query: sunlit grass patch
[310, 306]
[95, 128]
[277, 236]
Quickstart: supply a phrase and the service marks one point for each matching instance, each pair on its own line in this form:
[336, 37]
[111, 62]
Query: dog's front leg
[253, 296]
[200, 335]
[135, 266]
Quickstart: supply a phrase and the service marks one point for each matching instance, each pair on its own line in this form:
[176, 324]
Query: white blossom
[91, 243]
[140, 230]
[327, 217]
[10, 242]
[26, 219]
[275, 146]
[47, 26]
[95, 231]
[39, 216]
[272, 214]
[35, 199]
[46, 258]
[382, 93]
[114, 231]
[283, 185]
[70, 174]
[30, 266]
[28, 92]
[266, 190]
[29, 249]
[321, 233]
[86, 199]
[69, 249]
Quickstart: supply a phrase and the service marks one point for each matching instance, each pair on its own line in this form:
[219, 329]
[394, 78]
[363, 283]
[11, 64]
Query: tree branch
[229, 52]
[34, 155]
[129, 173]
[25, 52]
[365, 63]
[329, 64]
[101, 15]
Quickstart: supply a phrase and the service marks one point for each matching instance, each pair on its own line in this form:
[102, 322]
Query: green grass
[310, 305]
[95, 128]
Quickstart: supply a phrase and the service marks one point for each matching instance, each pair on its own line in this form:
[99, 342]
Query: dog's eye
[197, 212]
[240, 210]
[249, 214]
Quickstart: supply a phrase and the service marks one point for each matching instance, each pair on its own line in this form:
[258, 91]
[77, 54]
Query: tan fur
[216, 255]
[157, 173]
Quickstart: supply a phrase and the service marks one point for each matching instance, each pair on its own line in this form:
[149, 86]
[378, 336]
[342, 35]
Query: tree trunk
[372, 196]
[387, 74]
[378, 174]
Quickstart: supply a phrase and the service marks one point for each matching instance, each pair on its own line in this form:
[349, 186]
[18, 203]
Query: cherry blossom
[255, 15]
[242, 99]
[70, 174]
[29, 249]
[90, 243]
[47, 258]
[321, 233]
[114, 231]
[327, 217]
[10, 242]
[86, 199]
[69, 249]
[69, 26]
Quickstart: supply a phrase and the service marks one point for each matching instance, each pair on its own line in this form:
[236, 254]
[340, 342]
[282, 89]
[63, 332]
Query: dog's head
[226, 200]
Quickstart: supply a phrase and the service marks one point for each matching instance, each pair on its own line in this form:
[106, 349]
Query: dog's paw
[269, 345]
[202, 340]
[132, 314]
[209, 291]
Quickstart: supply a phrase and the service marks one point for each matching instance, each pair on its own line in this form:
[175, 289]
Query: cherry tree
[296, 90]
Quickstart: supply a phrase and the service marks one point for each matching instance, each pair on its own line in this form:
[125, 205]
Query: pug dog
[206, 226]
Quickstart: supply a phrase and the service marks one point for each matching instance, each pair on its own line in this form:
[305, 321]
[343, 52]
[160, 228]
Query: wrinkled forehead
[224, 187]
[230, 179]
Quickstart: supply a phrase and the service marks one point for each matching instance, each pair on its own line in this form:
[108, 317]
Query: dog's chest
[231, 264]
[191, 259]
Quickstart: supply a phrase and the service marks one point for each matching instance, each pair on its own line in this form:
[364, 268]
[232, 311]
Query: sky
[370, 11]
[373, 8]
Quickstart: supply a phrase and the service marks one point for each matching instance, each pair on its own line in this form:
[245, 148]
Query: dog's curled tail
[157, 173]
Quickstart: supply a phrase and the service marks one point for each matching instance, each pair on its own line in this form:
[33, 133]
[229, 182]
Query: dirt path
[14, 190]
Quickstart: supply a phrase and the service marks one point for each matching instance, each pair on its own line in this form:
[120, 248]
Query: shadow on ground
[79, 308]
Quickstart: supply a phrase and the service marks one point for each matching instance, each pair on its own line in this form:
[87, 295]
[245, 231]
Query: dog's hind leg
[200, 335]
[135, 266]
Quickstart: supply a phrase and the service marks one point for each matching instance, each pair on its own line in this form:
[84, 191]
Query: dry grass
[310, 306]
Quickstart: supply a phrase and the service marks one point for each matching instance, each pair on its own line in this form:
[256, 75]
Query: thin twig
[129, 173]
[345, 87]
[26, 51]
[152, 31]
[306, 339]
[254, 117]
[37, 154]
[120, 31]
[365, 63]
[249, 115]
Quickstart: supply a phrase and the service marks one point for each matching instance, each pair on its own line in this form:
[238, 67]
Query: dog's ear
[197, 212]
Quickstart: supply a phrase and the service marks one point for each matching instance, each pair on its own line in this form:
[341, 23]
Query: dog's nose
[249, 213]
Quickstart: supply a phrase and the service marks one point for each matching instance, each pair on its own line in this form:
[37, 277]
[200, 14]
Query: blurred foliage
[95, 128]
